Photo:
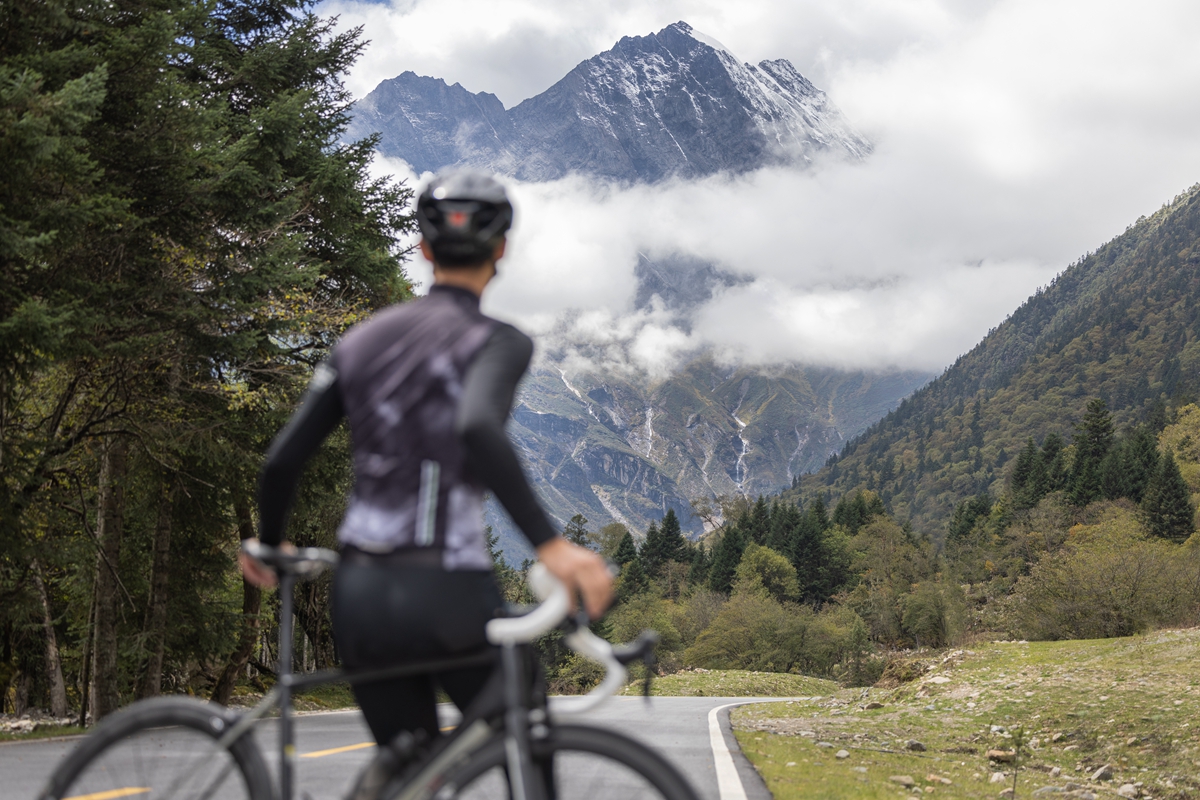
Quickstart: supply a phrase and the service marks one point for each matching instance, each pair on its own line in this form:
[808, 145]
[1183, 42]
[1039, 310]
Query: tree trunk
[251, 603]
[54, 673]
[156, 613]
[85, 681]
[105, 687]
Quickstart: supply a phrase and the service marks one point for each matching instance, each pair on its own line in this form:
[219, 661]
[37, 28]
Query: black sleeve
[318, 415]
[488, 389]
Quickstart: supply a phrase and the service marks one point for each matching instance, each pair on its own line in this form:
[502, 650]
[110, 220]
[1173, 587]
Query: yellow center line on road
[333, 751]
[111, 794]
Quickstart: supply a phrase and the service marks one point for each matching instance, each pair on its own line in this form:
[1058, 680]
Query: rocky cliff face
[674, 103]
[626, 451]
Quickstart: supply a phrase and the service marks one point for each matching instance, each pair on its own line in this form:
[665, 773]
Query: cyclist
[427, 387]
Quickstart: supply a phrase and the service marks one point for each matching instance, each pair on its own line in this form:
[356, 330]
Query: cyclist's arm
[318, 415]
[488, 389]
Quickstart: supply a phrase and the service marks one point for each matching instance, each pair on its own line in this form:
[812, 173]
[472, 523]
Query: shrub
[1109, 579]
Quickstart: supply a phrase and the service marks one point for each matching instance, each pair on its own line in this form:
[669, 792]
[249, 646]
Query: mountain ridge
[1121, 324]
[669, 104]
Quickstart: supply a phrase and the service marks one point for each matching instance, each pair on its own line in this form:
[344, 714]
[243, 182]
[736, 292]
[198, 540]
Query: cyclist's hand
[582, 571]
[254, 570]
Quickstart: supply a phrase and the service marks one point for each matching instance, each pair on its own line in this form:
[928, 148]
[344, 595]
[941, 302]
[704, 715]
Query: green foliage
[664, 543]
[764, 570]
[626, 549]
[576, 531]
[610, 539]
[933, 613]
[183, 235]
[1109, 579]
[1167, 506]
[852, 512]
[727, 554]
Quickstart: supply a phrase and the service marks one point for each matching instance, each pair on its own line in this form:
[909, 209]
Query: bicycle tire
[165, 747]
[589, 764]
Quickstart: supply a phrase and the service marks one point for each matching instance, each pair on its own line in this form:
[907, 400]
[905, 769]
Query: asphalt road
[333, 747]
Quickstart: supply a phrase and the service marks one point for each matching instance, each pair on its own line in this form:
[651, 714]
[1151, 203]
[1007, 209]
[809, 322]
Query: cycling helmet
[462, 215]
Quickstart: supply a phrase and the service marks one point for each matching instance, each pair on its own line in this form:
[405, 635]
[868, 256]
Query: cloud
[1011, 137]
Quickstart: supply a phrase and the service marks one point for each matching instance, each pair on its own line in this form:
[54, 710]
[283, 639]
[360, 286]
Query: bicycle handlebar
[308, 562]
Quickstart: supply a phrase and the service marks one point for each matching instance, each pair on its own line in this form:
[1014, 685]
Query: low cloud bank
[1010, 138]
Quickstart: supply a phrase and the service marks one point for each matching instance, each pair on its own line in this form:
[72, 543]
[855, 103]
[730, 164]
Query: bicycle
[179, 747]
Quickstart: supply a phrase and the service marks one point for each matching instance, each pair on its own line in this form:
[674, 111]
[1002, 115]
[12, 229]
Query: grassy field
[1125, 703]
[733, 683]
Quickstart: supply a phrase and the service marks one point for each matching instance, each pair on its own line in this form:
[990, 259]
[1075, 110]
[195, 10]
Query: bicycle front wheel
[588, 764]
[160, 749]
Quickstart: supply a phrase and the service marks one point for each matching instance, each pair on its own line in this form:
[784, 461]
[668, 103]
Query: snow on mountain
[673, 103]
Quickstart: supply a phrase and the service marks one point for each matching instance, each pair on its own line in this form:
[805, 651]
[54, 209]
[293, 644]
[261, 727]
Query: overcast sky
[1011, 136]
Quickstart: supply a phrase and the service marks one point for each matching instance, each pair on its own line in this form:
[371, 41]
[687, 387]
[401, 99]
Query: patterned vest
[400, 376]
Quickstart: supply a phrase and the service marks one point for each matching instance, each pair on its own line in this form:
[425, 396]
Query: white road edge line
[729, 783]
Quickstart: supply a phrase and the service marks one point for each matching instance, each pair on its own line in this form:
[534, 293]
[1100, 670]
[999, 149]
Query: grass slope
[1128, 703]
[733, 683]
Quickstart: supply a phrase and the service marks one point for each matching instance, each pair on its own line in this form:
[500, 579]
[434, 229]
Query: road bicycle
[508, 745]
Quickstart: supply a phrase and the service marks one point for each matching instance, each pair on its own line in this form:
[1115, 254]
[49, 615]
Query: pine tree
[725, 559]
[1055, 474]
[1085, 483]
[1140, 463]
[1114, 473]
[626, 550]
[1023, 469]
[759, 521]
[818, 514]
[785, 519]
[698, 574]
[633, 580]
[1167, 507]
[652, 553]
[674, 546]
[1093, 440]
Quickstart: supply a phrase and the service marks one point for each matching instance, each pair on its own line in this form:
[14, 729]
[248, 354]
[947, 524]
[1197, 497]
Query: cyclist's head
[463, 216]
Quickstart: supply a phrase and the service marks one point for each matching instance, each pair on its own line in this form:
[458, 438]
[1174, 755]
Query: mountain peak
[685, 29]
[676, 103]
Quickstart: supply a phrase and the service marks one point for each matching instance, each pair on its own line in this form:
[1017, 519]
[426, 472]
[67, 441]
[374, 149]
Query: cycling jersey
[427, 387]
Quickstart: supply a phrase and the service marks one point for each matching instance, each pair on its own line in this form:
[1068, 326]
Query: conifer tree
[1023, 468]
[1140, 462]
[633, 580]
[1167, 507]
[653, 551]
[759, 521]
[626, 550]
[674, 546]
[1053, 477]
[698, 574]
[1092, 442]
[725, 558]
[818, 514]
[1114, 473]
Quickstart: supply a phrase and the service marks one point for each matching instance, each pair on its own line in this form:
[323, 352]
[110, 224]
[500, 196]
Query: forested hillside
[182, 236]
[1122, 325]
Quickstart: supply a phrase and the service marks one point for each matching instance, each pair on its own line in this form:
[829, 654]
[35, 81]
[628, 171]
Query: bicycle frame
[288, 684]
